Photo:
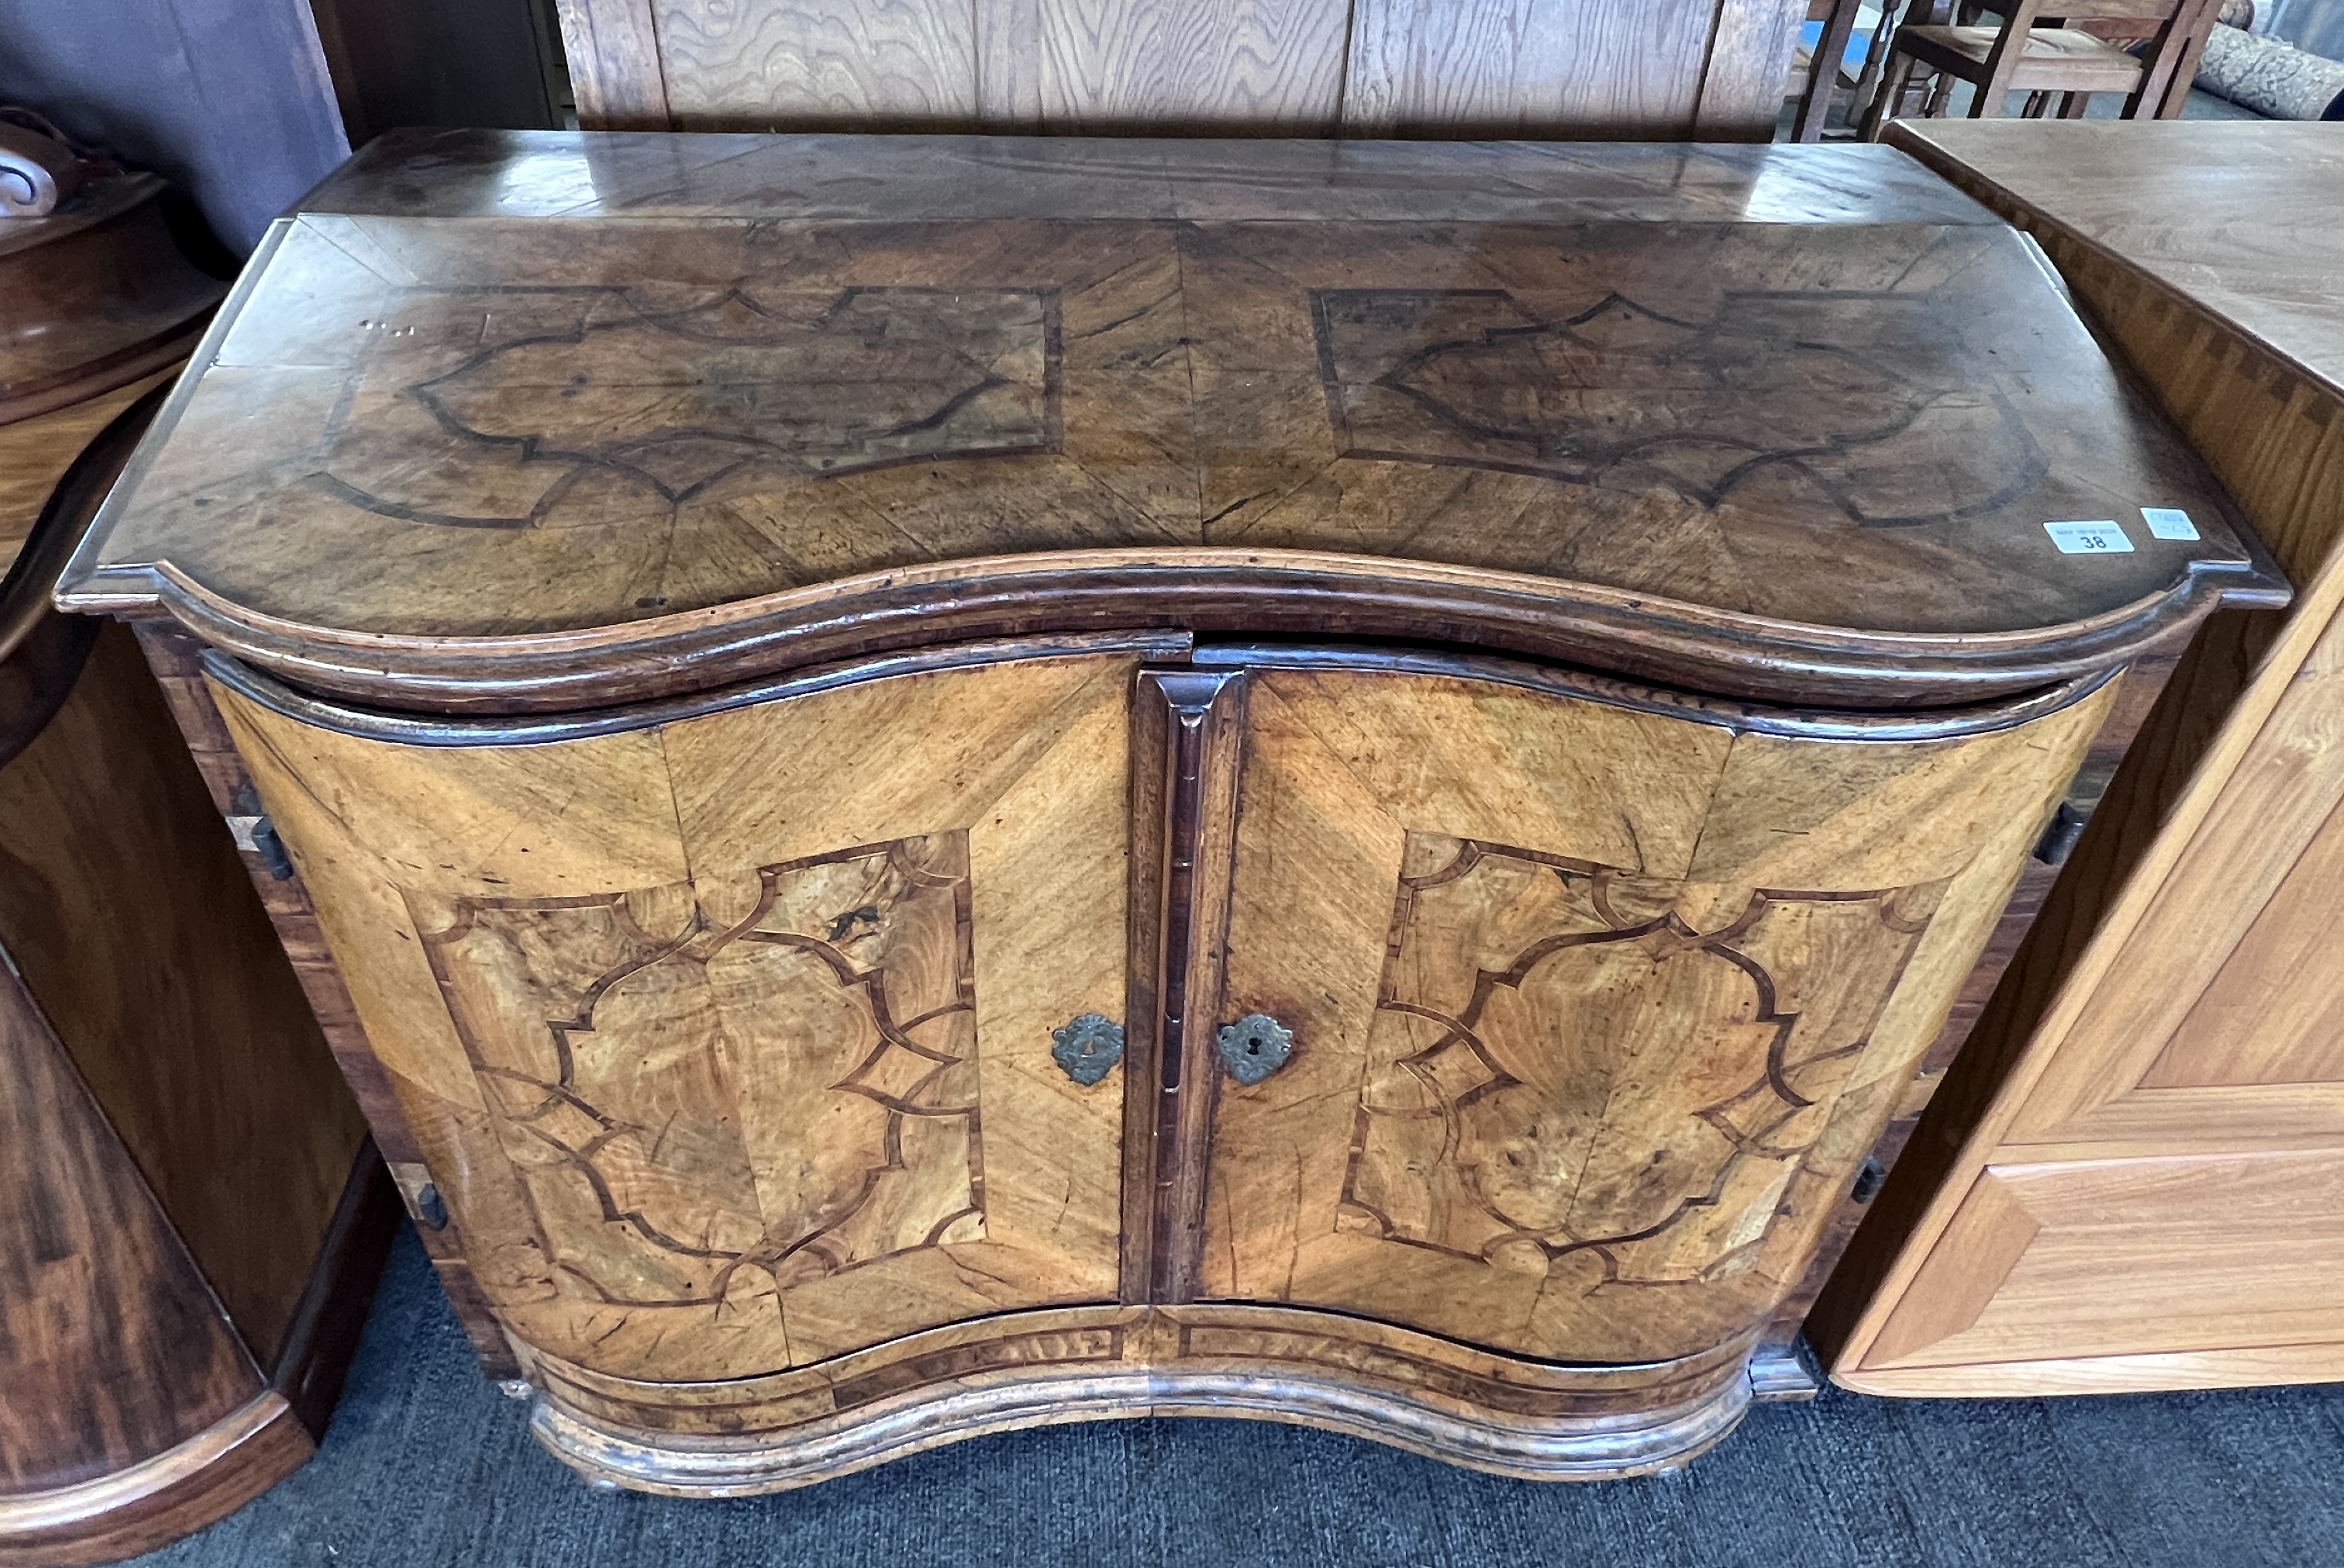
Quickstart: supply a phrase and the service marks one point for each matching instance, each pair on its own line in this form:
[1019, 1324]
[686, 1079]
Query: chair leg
[2031, 109]
[2073, 105]
[1894, 80]
[1941, 92]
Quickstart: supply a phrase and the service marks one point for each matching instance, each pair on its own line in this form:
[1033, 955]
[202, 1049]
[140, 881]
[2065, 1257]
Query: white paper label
[2169, 523]
[2105, 538]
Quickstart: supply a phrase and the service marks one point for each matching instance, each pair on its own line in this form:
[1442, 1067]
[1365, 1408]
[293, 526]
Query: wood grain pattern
[612, 50]
[98, 295]
[610, 461]
[1315, 67]
[636, 1199]
[2119, 1094]
[118, 1349]
[1440, 1153]
[2231, 1251]
[1525, 68]
[1748, 62]
[807, 65]
[160, 1500]
[35, 452]
[133, 926]
[1235, 67]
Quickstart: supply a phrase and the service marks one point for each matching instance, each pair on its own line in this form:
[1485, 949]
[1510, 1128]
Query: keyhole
[1253, 1044]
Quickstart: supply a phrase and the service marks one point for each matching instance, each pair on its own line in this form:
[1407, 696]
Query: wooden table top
[2242, 215]
[513, 420]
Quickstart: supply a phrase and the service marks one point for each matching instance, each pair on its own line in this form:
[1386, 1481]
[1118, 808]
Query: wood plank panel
[2235, 1251]
[819, 64]
[616, 77]
[2257, 1022]
[1264, 66]
[1746, 74]
[1625, 68]
[117, 1352]
[727, 1043]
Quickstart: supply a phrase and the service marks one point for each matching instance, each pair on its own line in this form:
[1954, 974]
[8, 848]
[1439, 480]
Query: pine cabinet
[1334, 783]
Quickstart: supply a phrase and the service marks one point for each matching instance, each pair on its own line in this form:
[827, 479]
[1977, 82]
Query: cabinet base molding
[1527, 1420]
[160, 1500]
[144, 1507]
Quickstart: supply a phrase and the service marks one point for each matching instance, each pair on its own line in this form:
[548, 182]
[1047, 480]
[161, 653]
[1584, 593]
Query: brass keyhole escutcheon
[1087, 1048]
[1255, 1046]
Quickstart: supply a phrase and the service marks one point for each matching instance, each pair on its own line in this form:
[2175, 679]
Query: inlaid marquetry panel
[667, 391]
[1595, 1011]
[1569, 1058]
[1626, 396]
[727, 1041]
[695, 1099]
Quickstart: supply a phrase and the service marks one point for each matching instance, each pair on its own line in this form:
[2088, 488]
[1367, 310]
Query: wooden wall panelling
[819, 64]
[1375, 884]
[1746, 73]
[2216, 838]
[969, 827]
[1532, 68]
[1644, 68]
[617, 80]
[1263, 66]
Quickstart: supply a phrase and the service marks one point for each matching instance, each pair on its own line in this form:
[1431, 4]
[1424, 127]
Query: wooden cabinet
[2157, 1097]
[191, 1219]
[1081, 796]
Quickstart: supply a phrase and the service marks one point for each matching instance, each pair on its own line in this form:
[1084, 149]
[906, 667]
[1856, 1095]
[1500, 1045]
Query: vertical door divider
[1187, 743]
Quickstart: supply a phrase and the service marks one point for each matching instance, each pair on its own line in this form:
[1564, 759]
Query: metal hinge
[256, 835]
[1868, 1180]
[2059, 840]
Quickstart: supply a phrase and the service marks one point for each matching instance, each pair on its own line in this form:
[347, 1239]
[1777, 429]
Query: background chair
[2090, 55]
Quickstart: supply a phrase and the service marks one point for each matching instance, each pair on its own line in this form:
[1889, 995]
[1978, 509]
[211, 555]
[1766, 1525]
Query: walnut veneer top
[507, 420]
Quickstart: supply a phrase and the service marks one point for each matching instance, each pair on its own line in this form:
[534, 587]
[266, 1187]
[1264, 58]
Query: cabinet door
[1595, 1009]
[729, 1040]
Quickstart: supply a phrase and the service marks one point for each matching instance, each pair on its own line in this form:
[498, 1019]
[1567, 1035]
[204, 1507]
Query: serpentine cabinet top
[505, 422]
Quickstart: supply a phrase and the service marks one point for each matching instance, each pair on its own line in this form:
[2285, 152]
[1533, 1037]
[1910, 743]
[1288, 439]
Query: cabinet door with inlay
[729, 1039]
[1596, 1006]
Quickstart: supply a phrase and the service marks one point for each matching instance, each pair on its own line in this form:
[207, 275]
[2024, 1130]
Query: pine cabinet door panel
[1595, 1010]
[2235, 1251]
[728, 1041]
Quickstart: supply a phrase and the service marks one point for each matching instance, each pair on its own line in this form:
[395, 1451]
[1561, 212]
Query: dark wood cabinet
[191, 1219]
[1341, 785]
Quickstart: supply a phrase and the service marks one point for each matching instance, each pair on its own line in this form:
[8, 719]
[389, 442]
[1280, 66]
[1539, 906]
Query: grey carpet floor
[427, 1466]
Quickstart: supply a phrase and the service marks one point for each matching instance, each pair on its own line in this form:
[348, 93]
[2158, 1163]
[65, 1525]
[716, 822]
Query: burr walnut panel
[1589, 1098]
[740, 1100]
[1539, 1016]
[727, 1042]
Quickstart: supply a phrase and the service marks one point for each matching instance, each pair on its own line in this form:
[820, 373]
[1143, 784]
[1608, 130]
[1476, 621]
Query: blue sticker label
[2104, 538]
[2167, 522]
